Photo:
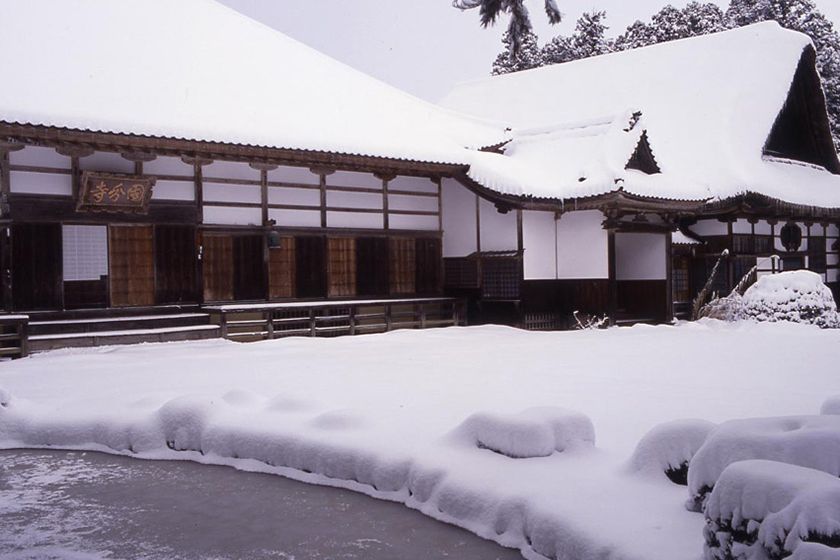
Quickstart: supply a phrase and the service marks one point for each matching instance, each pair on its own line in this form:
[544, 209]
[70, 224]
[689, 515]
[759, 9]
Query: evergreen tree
[520, 20]
[589, 38]
[670, 24]
[528, 56]
[637, 35]
[559, 50]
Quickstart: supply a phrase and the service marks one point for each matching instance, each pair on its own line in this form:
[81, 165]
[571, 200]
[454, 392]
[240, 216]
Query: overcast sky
[426, 46]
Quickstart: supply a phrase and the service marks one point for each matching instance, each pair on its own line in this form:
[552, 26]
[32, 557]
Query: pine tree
[637, 35]
[528, 56]
[670, 24]
[520, 20]
[589, 38]
[558, 50]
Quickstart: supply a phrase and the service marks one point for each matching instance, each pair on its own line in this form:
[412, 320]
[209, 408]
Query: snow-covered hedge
[668, 448]
[762, 510]
[807, 441]
[798, 296]
[536, 432]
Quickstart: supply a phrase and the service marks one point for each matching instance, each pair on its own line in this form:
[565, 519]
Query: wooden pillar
[520, 231]
[198, 185]
[323, 173]
[5, 212]
[669, 279]
[267, 224]
[386, 178]
[612, 300]
[439, 183]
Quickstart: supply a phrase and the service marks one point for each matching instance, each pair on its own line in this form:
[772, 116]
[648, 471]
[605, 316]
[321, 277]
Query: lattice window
[501, 278]
[402, 265]
[460, 273]
[341, 264]
[680, 281]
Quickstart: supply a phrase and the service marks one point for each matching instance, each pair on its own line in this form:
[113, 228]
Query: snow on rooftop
[198, 70]
[709, 104]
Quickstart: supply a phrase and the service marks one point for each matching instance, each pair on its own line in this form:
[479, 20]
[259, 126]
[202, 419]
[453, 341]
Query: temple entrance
[36, 272]
[132, 266]
[85, 266]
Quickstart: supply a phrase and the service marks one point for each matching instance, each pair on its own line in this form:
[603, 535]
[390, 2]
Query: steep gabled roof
[709, 104]
[195, 69]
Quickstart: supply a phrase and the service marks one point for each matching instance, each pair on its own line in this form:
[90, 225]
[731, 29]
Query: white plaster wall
[38, 156]
[168, 166]
[498, 231]
[417, 203]
[353, 179]
[354, 220]
[539, 234]
[420, 223]
[173, 190]
[300, 175]
[741, 226]
[214, 192]
[41, 183]
[354, 200]
[232, 216]
[230, 170]
[295, 218]
[298, 197]
[416, 184]
[709, 227]
[832, 259]
[833, 231]
[817, 230]
[106, 162]
[763, 228]
[582, 246]
[459, 238]
[764, 263]
[640, 256]
[833, 275]
[84, 252]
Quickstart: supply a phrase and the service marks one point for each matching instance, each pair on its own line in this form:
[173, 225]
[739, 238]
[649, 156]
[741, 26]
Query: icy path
[90, 506]
[373, 414]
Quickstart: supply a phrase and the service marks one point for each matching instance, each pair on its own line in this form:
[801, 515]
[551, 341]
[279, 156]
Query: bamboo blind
[281, 269]
[403, 265]
[341, 266]
[218, 268]
[132, 268]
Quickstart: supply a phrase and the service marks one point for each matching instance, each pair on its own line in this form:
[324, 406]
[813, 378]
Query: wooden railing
[334, 318]
[14, 336]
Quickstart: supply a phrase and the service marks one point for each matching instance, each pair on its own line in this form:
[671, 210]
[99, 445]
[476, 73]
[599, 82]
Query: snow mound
[798, 296]
[669, 447]
[5, 397]
[765, 509]
[184, 421]
[807, 441]
[830, 406]
[536, 432]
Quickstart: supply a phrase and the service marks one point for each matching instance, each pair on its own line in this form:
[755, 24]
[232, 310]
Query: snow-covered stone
[798, 296]
[763, 510]
[831, 405]
[537, 432]
[807, 441]
[669, 447]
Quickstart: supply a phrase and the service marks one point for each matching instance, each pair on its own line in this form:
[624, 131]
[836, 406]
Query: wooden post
[669, 279]
[269, 323]
[23, 333]
[198, 193]
[422, 315]
[223, 328]
[385, 178]
[313, 330]
[388, 318]
[352, 320]
[322, 174]
[612, 302]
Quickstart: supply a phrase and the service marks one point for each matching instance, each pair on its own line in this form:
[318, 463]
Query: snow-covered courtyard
[384, 415]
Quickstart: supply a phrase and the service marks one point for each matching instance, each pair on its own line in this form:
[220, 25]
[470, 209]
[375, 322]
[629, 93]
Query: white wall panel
[354, 200]
[232, 216]
[832, 275]
[763, 228]
[168, 166]
[832, 259]
[173, 190]
[419, 184]
[41, 183]
[230, 170]
[817, 230]
[85, 252]
[741, 226]
[39, 157]
[300, 175]
[709, 227]
[498, 231]
[419, 203]
[231, 193]
[354, 220]
[459, 238]
[833, 230]
[421, 223]
[106, 162]
[296, 218]
[540, 239]
[640, 256]
[353, 179]
[298, 197]
[582, 246]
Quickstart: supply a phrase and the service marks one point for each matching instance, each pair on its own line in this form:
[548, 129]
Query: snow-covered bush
[830, 406]
[807, 441]
[727, 308]
[762, 510]
[536, 432]
[5, 397]
[668, 448]
[184, 421]
[798, 296]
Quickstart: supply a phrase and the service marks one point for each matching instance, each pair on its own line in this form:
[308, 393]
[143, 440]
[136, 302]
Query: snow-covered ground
[385, 415]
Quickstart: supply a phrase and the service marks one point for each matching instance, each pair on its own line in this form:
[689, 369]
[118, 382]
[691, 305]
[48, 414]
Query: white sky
[426, 46]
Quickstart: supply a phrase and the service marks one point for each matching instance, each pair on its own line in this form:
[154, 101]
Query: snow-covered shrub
[184, 421]
[668, 448]
[798, 296]
[830, 406]
[762, 510]
[727, 308]
[807, 441]
[536, 432]
[5, 397]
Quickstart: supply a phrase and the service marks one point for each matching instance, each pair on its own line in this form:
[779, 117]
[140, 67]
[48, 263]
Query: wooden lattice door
[132, 266]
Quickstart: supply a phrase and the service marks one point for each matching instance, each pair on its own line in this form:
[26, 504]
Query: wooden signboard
[102, 192]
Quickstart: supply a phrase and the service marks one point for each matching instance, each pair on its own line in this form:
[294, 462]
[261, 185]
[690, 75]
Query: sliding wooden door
[218, 268]
[175, 264]
[132, 266]
[36, 267]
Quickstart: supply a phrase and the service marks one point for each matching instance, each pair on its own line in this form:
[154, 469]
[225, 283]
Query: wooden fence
[14, 336]
[335, 318]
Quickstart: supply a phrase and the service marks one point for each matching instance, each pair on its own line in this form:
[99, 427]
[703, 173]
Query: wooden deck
[250, 322]
[14, 336]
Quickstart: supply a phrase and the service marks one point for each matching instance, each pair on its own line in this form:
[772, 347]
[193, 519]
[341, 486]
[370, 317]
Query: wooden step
[103, 324]
[40, 343]
[111, 312]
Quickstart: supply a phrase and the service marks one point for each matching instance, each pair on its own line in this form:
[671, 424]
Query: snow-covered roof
[709, 105]
[195, 69]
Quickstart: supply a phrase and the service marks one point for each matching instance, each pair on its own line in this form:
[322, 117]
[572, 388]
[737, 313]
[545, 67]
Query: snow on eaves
[709, 104]
[197, 70]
